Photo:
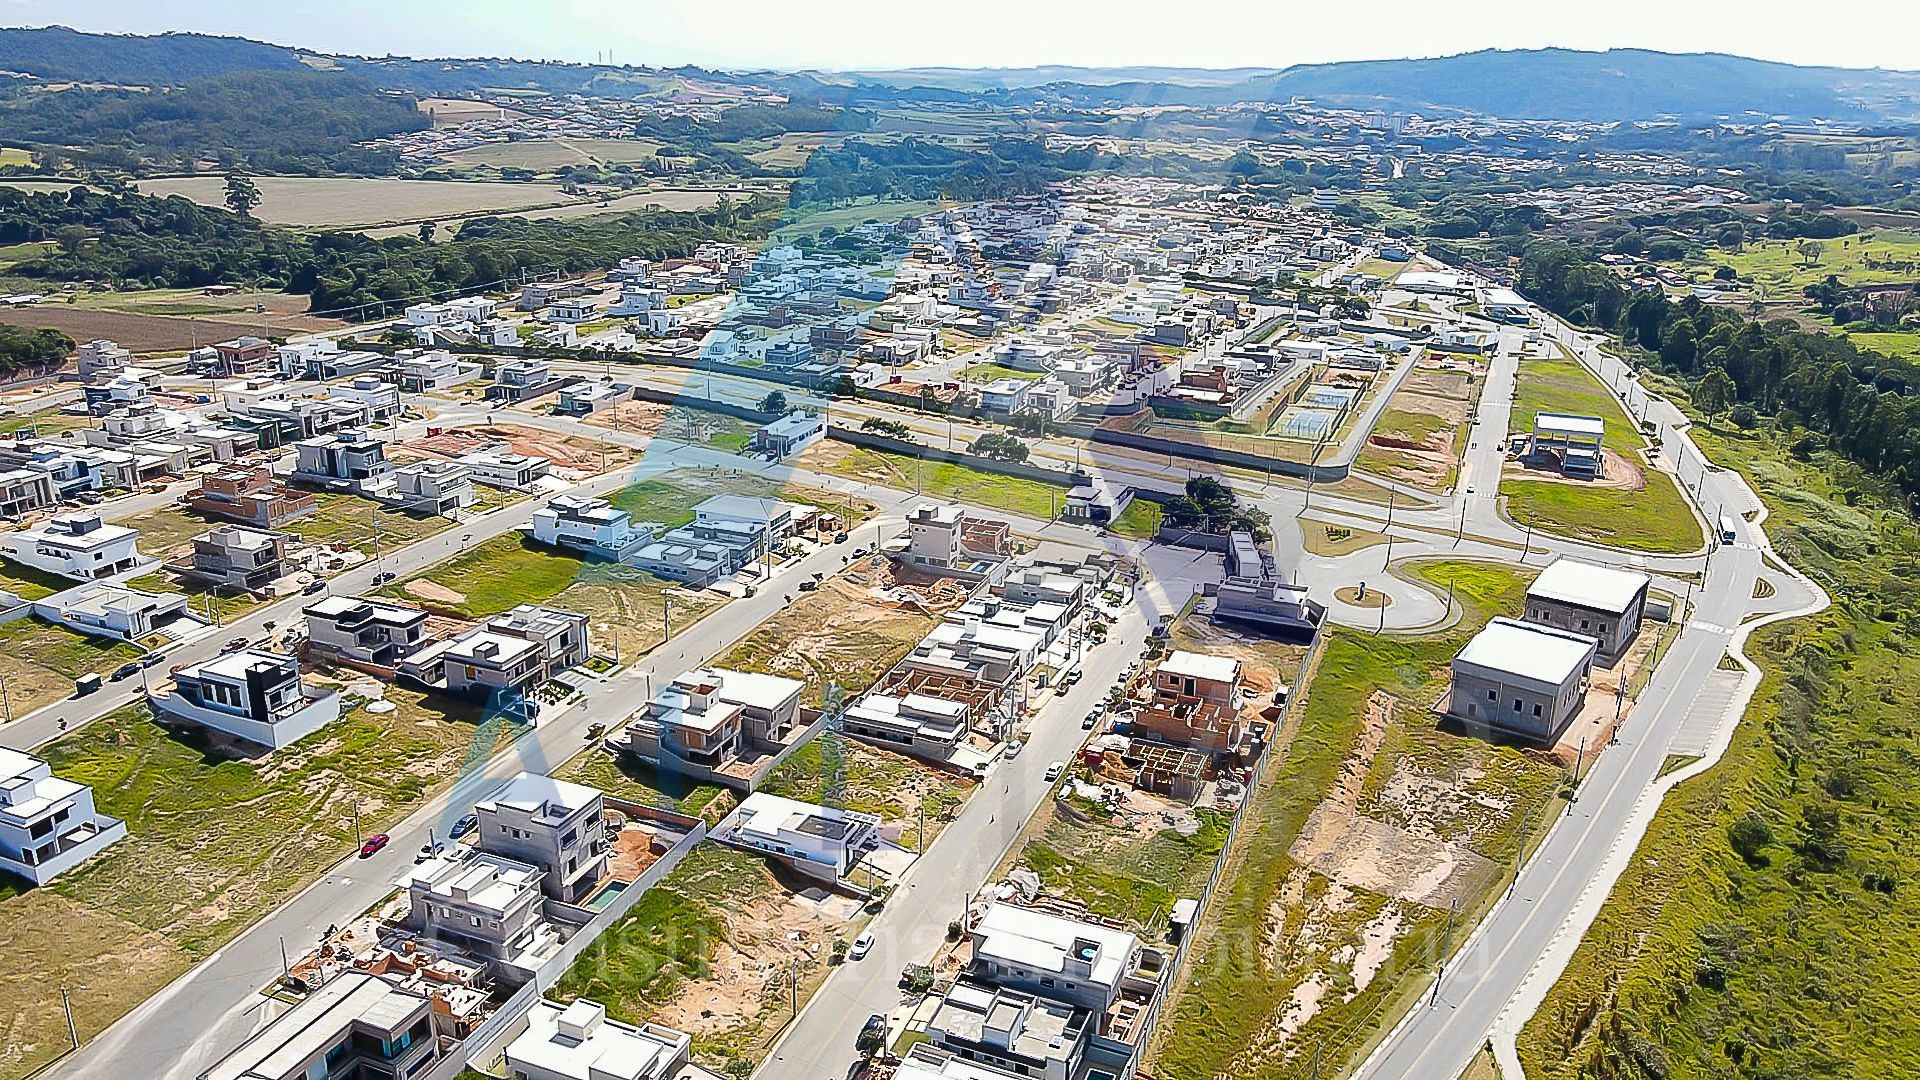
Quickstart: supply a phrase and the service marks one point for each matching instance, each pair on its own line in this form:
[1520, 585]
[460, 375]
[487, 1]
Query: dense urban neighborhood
[576, 571]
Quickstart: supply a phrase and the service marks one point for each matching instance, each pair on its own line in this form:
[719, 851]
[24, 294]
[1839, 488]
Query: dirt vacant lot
[340, 201]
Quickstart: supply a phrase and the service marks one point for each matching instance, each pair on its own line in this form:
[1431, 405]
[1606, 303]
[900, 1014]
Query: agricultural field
[212, 845]
[542, 155]
[711, 951]
[842, 632]
[450, 112]
[326, 201]
[1368, 822]
[894, 787]
[148, 333]
[1752, 933]
[1012, 494]
[845, 217]
[788, 151]
[1633, 505]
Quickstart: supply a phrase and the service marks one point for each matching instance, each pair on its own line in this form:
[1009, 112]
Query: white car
[1013, 749]
[861, 946]
[1054, 770]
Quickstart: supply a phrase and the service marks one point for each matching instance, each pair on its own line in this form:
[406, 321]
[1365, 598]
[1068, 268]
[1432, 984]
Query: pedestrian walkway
[1694, 735]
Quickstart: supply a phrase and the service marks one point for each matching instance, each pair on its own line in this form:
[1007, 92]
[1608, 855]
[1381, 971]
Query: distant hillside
[1620, 84]
[57, 53]
[951, 78]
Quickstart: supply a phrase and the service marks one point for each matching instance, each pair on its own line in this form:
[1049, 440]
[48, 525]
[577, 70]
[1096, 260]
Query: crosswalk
[1694, 735]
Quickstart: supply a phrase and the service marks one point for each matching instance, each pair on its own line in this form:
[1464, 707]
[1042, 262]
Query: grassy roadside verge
[1742, 940]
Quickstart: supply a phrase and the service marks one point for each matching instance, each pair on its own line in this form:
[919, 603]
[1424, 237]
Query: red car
[374, 843]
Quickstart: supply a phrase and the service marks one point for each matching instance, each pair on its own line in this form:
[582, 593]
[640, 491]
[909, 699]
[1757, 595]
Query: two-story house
[237, 557]
[48, 825]
[368, 630]
[251, 695]
[551, 824]
[78, 546]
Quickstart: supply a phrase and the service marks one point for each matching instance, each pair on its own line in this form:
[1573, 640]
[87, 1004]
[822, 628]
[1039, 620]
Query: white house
[47, 825]
[504, 470]
[591, 526]
[1005, 395]
[116, 611]
[252, 695]
[78, 546]
[822, 841]
[578, 1042]
[791, 433]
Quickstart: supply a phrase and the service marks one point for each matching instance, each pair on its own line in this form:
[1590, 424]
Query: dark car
[373, 844]
[1089, 722]
[235, 645]
[125, 670]
[463, 826]
[314, 587]
[382, 577]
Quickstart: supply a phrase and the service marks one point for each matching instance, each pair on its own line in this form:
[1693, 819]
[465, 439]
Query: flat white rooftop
[1528, 651]
[1201, 666]
[1588, 585]
[1591, 427]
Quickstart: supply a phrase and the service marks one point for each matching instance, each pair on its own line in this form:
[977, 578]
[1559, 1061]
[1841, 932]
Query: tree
[1713, 393]
[242, 194]
[1000, 447]
[1810, 250]
[427, 229]
[775, 402]
[71, 238]
[1748, 836]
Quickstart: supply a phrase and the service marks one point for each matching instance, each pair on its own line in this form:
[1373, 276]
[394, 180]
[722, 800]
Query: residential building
[78, 546]
[822, 841]
[250, 496]
[425, 487]
[1033, 585]
[1576, 442]
[427, 372]
[119, 612]
[570, 311]
[578, 1042]
[101, 358]
[1051, 956]
[1016, 1033]
[47, 825]
[1522, 678]
[523, 380]
[1601, 602]
[1006, 396]
[1195, 704]
[587, 398]
[347, 460]
[364, 629]
[769, 520]
[252, 695]
[505, 470]
[590, 526]
[356, 1025]
[556, 826]
[484, 904]
[790, 434]
[376, 398]
[1095, 501]
[945, 539]
[506, 656]
[710, 717]
[23, 491]
[919, 724]
[243, 356]
[237, 557]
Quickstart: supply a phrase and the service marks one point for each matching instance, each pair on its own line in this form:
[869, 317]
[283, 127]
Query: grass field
[212, 845]
[628, 779]
[829, 635]
[892, 786]
[986, 373]
[626, 606]
[39, 662]
[1870, 257]
[845, 217]
[1121, 870]
[14, 155]
[1656, 518]
[28, 582]
[1139, 521]
[1305, 960]
[349, 519]
[1785, 955]
[347, 201]
[945, 479]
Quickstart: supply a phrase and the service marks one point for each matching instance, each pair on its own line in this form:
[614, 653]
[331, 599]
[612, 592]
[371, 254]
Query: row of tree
[1861, 403]
[23, 349]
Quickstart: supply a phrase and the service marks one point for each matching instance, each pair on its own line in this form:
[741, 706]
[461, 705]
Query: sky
[870, 34]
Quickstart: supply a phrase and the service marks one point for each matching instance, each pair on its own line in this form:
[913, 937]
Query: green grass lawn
[1788, 956]
[1656, 518]
[1108, 865]
[1781, 270]
[991, 372]
[352, 520]
[1139, 521]
[39, 661]
[1566, 386]
[628, 779]
[30, 583]
[1241, 979]
[167, 530]
[212, 845]
[945, 479]
[889, 785]
[1415, 427]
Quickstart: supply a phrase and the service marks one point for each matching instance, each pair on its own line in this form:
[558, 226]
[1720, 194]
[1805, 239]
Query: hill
[57, 53]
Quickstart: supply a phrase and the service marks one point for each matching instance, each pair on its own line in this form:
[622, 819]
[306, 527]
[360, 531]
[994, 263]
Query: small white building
[504, 470]
[1601, 602]
[1007, 396]
[113, 611]
[790, 434]
[578, 1042]
[821, 841]
[1523, 678]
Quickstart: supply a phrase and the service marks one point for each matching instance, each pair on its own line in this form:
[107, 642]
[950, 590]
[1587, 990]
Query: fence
[509, 1020]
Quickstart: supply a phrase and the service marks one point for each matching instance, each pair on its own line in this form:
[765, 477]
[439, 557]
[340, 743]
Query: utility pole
[1579, 763]
[1528, 549]
[1450, 582]
[666, 619]
[7, 700]
[1446, 946]
[286, 969]
[1520, 855]
[66, 1003]
[358, 840]
[921, 843]
[793, 986]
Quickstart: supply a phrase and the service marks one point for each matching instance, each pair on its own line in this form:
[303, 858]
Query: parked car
[130, 668]
[808, 585]
[373, 844]
[1054, 770]
[862, 945]
[1013, 748]
[383, 577]
[152, 659]
[314, 587]
[235, 644]
[464, 826]
[1093, 718]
